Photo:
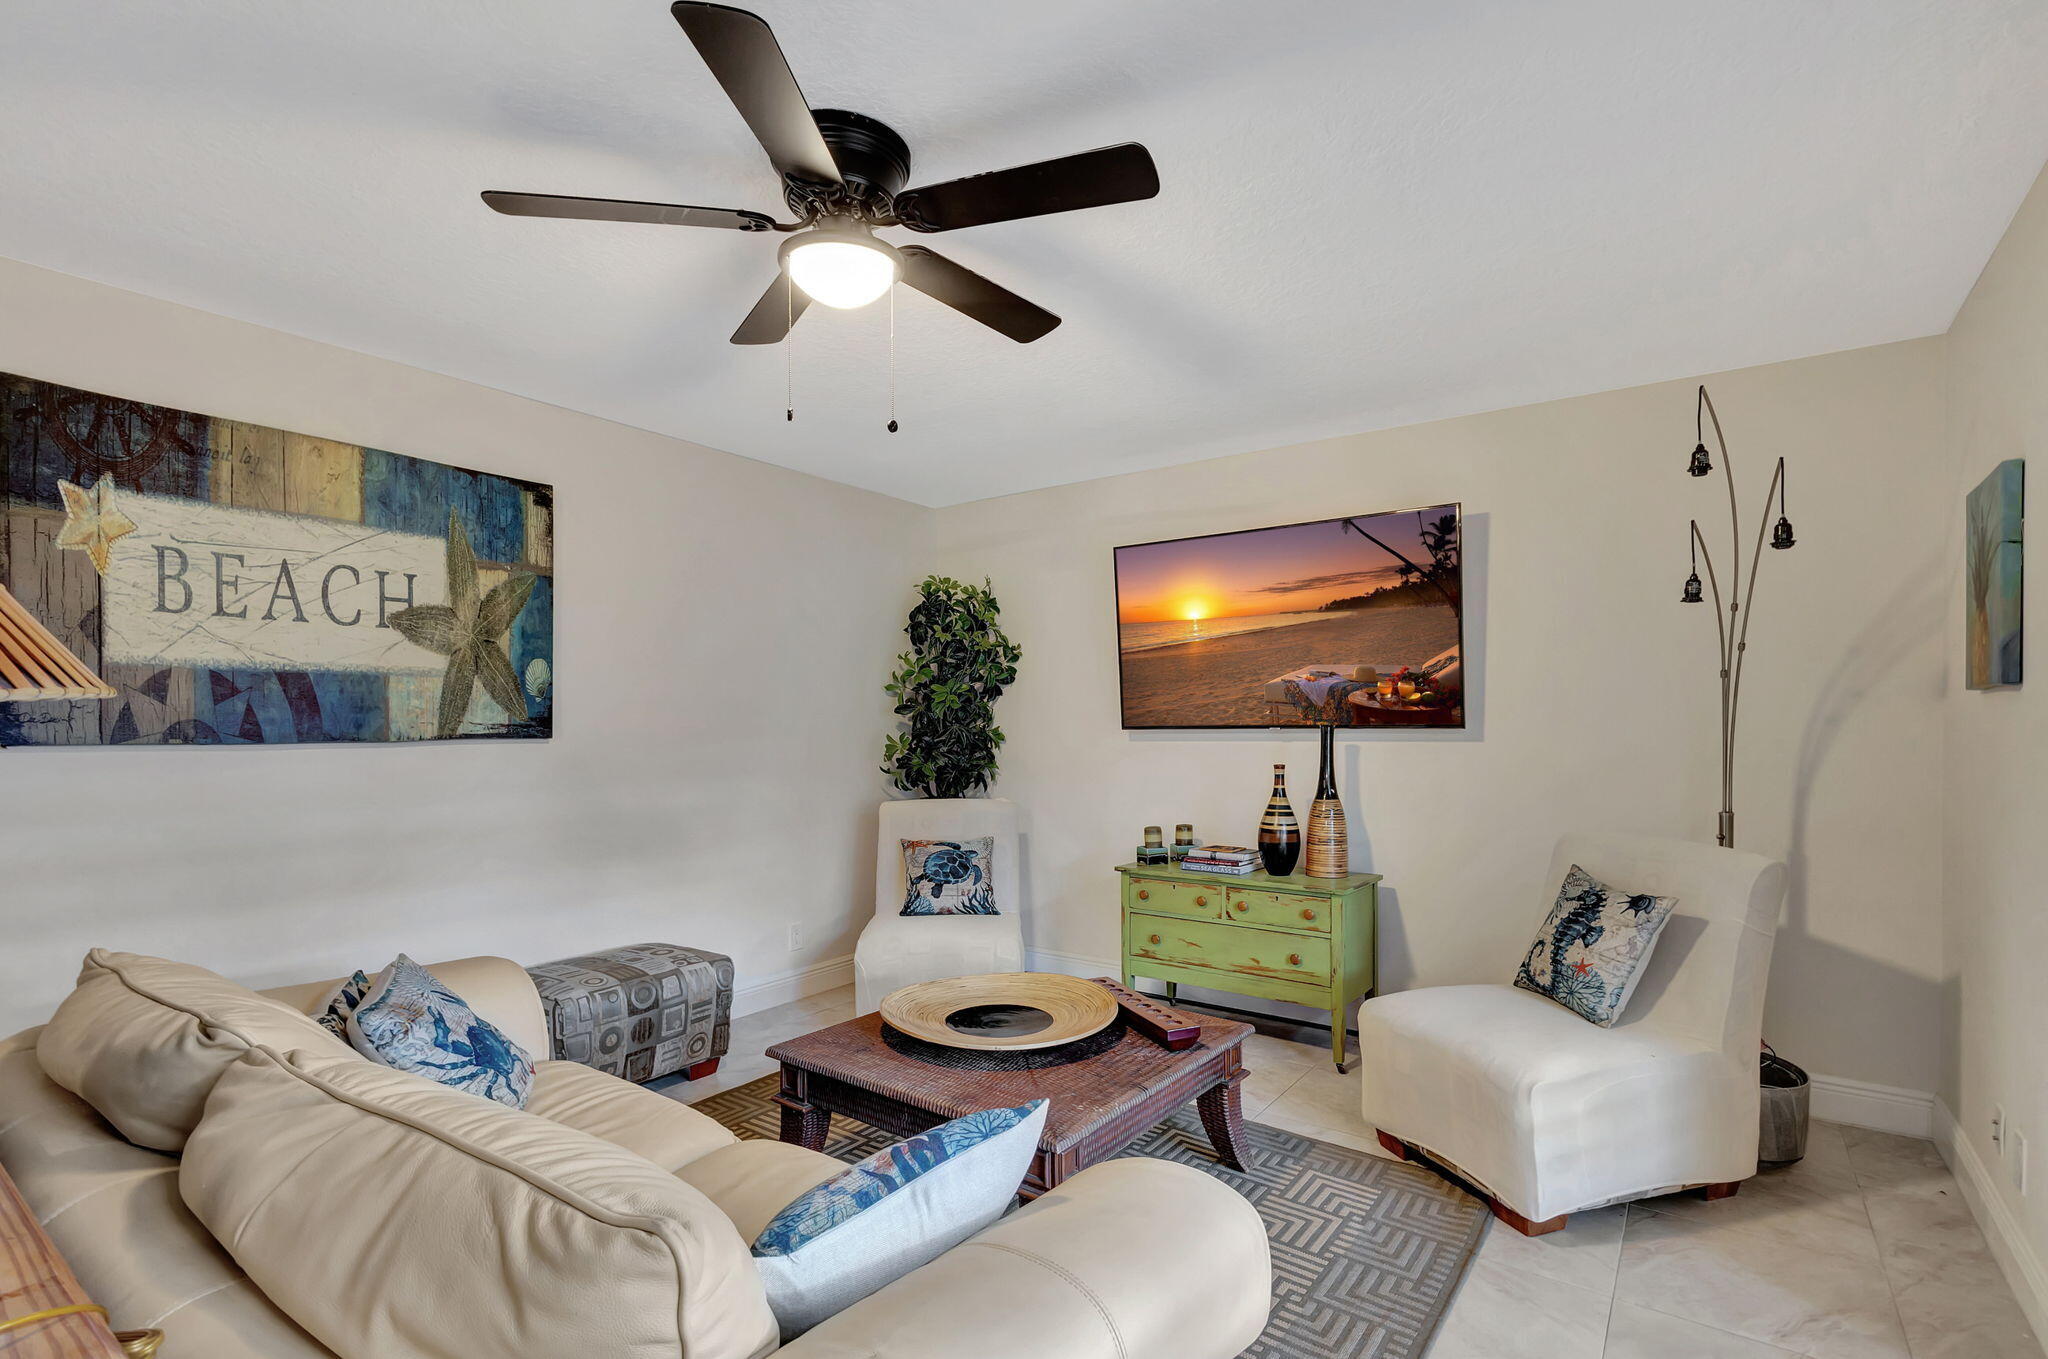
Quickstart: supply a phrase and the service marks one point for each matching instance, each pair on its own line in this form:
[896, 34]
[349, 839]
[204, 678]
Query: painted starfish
[467, 631]
[92, 523]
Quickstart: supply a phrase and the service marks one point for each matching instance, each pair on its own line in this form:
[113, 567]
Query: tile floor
[1864, 1250]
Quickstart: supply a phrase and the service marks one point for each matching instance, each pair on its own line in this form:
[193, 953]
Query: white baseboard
[1072, 964]
[784, 987]
[2016, 1255]
[1881, 1108]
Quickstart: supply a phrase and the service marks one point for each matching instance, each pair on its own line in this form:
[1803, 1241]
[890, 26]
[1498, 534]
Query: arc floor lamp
[1734, 627]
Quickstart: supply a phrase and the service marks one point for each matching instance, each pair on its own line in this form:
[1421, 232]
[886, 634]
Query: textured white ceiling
[1373, 213]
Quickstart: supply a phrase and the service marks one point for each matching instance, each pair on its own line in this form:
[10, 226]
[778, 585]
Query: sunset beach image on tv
[1352, 622]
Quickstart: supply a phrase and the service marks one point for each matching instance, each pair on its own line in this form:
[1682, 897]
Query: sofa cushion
[667, 1132]
[142, 1040]
[113, 1209]
[754, 1180]
[395, 1217]
[496, 988]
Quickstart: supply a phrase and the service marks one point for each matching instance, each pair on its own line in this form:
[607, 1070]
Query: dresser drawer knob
[1294, 960]
[1154, 939]
[1308, 915]
[1144, 895]
[1237, 906]
[1201, 901]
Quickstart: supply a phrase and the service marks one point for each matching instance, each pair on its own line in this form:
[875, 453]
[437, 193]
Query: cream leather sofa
[321, 1204]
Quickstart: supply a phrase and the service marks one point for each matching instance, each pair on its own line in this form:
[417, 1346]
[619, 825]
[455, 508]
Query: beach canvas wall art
[1994, 528]
[242, 585]
[1352, 622]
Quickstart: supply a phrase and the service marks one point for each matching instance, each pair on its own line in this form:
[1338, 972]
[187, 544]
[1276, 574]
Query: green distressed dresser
[1299, 939]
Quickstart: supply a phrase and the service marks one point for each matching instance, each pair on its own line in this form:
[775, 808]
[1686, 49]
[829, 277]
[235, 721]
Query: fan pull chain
[788, 351]
[892, 360]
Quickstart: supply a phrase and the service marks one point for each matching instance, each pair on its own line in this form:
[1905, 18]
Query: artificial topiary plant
[945, 689]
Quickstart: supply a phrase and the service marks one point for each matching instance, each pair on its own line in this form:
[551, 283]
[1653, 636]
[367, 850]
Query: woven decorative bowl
[1007, 1011]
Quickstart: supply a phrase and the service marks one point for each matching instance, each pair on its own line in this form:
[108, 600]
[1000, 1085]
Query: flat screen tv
[1355, 622]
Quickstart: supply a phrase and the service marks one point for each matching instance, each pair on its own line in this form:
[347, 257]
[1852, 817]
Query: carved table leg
[1222, 1110]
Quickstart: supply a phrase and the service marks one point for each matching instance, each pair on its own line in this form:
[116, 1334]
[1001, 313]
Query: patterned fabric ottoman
[641, 1011]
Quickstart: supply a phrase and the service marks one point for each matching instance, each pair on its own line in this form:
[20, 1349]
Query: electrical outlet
[796, 937]
[1998, 1129]
[2018, 1158]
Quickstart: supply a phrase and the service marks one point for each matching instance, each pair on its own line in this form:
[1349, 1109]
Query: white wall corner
[784, 987]
[2015, 1254]
[1881, 1108]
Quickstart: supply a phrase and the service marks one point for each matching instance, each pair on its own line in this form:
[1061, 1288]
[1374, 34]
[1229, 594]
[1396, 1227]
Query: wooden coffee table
[1099, 1104]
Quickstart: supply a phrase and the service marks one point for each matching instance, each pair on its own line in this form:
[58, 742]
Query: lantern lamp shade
[34, 664]
[1692, 593]
[1700, 464]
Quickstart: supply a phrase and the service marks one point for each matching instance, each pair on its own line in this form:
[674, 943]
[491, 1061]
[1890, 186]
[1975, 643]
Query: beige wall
[1996, 782]
[1596, 690]
[723, 630]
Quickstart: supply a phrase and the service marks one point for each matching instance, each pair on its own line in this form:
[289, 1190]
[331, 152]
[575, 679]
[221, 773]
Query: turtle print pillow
[413, 1023]
[949, 877]
[1593, 947]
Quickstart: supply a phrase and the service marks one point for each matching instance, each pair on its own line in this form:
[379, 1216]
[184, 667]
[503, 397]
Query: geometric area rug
[1366, 1252]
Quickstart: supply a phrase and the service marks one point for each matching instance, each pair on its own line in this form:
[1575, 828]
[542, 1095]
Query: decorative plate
[1000, 1010]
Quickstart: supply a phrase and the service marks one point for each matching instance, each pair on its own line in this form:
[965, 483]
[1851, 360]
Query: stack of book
[1233, 860]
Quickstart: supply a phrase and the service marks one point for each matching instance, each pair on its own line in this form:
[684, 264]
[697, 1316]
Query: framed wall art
[242, 585]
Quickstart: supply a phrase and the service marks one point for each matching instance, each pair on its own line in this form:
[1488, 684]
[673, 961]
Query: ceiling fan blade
[742, 53]
[1091, 179]
[969, 293]
[773, 315]
[624, 210]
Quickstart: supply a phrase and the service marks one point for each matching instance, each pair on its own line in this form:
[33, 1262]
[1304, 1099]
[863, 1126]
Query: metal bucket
[1787, 1100]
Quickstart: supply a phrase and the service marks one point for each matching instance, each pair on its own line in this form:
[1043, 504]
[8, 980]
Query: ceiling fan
[842, 176]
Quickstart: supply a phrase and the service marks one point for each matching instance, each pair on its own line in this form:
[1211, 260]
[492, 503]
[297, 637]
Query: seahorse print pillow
[1593, 946]
[949, 877]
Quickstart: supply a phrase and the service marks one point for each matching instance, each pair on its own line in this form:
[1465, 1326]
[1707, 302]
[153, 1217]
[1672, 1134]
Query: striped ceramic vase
[1279, 832]
[1329, 849]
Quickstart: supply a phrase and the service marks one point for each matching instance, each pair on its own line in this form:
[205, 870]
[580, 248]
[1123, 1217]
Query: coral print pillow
[333, 1012]
[950, 877]
[413, 1023]
[1593, 947]
[902, 1207]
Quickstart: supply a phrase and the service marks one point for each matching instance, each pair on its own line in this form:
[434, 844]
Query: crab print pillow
[413, 1023]
[949, 877]
[1593, 947]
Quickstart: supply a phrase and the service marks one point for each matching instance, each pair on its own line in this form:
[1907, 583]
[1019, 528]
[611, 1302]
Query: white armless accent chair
[1551, 1114]
[897, 949]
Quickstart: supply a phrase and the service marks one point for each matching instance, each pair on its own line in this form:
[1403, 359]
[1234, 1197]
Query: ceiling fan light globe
[842, 273]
